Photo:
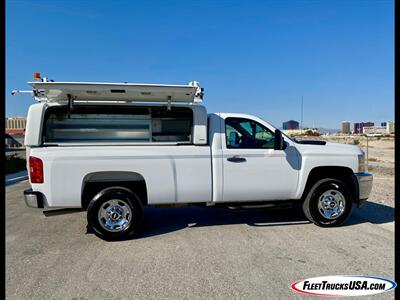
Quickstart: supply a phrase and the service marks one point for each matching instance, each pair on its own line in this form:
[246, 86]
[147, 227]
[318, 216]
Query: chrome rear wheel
[115, 215]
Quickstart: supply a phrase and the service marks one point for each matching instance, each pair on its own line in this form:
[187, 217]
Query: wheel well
[344, 174]
[98, 181]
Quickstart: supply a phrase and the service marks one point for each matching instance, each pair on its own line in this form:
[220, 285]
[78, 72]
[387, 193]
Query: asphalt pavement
[190, 253]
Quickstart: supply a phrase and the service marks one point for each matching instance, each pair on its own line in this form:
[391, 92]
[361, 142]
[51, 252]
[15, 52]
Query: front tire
[328, 203]
[114, 214]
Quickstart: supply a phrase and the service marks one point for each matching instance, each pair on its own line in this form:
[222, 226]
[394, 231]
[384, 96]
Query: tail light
[36, 169]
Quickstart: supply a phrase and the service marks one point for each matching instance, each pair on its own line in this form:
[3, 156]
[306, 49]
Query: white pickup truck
[113, 148]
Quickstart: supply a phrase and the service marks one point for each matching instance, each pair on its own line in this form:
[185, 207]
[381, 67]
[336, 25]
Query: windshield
[289, 137]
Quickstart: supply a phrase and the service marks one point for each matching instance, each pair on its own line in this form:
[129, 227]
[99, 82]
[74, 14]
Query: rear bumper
[33, 199]
[364, 185]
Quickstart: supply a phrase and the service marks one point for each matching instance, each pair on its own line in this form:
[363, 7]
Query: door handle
[236, 158]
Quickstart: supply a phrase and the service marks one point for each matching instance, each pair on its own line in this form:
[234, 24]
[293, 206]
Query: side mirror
[279, 143]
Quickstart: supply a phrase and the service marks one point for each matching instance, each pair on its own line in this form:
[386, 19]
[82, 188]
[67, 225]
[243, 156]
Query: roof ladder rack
[45, 90]
[70, 102]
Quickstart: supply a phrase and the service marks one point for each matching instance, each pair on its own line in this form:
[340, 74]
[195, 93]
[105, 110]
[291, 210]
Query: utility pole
[301, 121]
[366, 163]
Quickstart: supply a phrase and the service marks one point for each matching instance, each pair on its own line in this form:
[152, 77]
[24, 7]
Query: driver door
[253, 170]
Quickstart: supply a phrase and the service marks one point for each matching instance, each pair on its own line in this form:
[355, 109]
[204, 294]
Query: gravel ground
[383, 190]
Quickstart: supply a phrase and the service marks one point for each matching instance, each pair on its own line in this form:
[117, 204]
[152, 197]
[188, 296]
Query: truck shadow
[371, 212]
[160, 221]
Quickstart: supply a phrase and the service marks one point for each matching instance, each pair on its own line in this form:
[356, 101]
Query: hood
[344, 147]
[328, 148]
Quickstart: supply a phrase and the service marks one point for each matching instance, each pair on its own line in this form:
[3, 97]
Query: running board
[251, 206]
[61, 211]
[277, 204]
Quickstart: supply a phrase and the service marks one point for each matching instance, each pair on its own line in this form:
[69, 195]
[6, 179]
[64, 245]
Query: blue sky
[256, 57]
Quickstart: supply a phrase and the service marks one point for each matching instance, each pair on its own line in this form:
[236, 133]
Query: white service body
[194, 172]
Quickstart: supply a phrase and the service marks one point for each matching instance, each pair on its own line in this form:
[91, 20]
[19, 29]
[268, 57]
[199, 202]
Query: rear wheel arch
[95, 182]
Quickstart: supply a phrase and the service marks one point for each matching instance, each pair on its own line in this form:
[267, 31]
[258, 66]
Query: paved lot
[189, 253]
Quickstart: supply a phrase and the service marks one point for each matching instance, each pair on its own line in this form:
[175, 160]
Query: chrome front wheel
[331, 204]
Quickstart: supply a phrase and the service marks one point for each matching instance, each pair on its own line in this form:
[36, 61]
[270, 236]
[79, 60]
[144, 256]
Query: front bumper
[364, 185]
[33, 199]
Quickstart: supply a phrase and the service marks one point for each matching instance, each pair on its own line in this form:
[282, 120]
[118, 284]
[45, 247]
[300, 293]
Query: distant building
[290, 125]
[374, 130]
[345, 127]
[15, 123]
[356, 128]
[366, 124]
[370, 128]
[15, 132]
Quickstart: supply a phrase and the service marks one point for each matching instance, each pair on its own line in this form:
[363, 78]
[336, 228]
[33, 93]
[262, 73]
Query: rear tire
[328, 203]
[114, 214]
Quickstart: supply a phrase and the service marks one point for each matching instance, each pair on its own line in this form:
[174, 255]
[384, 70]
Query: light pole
[301, 119]
[366, 165]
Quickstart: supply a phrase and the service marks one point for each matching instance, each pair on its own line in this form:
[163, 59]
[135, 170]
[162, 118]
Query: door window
[247, 134]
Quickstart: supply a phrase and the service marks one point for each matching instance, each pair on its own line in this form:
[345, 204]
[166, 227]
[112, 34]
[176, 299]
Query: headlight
[361, 162]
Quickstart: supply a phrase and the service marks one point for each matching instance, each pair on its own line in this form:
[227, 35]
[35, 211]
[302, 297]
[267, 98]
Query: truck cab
[114, 148]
